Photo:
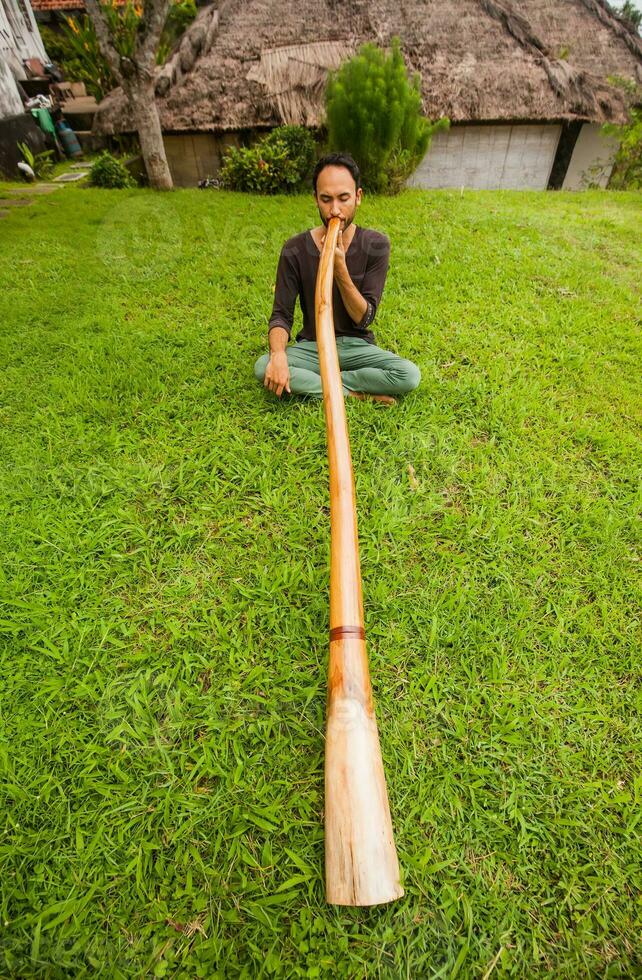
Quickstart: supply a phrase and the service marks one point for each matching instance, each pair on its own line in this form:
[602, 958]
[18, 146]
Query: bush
[107, 171]
[278, 163]
[374, 112]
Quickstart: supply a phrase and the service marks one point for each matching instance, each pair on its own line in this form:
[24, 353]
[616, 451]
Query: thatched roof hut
[248, 64]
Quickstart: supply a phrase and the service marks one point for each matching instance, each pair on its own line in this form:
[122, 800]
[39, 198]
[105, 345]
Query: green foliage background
[627, 170]
[629, 10]
[74, 47]
[627, 166]
[164, 608]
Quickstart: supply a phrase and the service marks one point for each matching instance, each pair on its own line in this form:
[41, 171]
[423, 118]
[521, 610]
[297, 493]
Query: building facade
[19, 40]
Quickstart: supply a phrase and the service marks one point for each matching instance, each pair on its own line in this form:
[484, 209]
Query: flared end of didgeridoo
[390, 896]
[361, 866]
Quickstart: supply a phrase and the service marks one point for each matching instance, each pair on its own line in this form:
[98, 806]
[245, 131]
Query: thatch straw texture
[294, 78]
[258, 63]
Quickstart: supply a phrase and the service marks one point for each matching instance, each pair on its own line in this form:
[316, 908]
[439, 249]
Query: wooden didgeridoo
[361, 866]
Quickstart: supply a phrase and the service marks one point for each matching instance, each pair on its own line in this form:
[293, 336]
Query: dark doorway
[566, 145]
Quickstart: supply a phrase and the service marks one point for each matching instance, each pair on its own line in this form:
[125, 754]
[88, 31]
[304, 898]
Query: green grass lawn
[164, 588]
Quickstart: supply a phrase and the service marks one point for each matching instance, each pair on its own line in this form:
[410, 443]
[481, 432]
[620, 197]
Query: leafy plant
[75, 48]
[108, 171]
[56, 44]
[374, 112]
[627, 167]
[42, 164]
[278, 163]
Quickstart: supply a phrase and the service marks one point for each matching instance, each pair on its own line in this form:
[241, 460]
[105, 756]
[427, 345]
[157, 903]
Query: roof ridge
[192, 45]
[570, 84]
[611, 19]
[515, 23]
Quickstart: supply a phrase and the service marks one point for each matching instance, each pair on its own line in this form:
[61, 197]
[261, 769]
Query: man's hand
[353, 301]
[277, 374]
[340, 267]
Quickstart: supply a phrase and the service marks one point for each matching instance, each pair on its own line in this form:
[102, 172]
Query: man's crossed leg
[365, 369]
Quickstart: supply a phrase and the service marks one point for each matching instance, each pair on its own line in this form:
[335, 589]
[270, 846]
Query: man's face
[337, 195]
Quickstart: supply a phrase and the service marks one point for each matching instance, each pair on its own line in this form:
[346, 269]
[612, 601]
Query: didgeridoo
[361, 866]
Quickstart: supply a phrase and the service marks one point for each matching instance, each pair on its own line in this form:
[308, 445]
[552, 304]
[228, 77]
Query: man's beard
[326, 221]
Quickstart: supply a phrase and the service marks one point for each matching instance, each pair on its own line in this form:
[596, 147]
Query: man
[360, 268]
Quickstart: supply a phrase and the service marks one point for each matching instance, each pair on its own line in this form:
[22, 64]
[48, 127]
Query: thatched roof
[258, 63]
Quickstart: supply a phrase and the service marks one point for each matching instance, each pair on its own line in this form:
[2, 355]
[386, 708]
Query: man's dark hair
[337, 160]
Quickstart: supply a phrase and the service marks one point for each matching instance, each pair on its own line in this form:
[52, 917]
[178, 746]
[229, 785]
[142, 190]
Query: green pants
[364, 367]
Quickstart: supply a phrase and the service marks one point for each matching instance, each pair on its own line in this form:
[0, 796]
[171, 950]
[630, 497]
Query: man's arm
[277, 373]
[361, 306]
[356, 306]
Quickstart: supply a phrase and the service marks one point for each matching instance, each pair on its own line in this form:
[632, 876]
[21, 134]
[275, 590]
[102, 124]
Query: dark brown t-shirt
[367, 260]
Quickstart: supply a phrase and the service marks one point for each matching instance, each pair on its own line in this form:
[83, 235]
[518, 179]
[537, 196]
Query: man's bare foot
[366, 396]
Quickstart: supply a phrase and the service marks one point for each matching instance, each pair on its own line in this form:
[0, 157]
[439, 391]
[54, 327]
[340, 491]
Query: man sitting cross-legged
[360, 268]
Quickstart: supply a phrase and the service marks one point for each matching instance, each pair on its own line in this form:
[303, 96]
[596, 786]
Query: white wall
[592, 159]
[19, 36]
[10, 101]
[518, 156]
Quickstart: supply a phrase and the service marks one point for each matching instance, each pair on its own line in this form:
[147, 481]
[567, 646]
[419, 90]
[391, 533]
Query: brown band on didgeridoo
[353, 632]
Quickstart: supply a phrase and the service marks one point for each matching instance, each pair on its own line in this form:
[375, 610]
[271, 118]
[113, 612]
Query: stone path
[19, 197]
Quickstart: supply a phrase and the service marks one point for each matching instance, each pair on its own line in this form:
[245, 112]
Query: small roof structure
[260, 63]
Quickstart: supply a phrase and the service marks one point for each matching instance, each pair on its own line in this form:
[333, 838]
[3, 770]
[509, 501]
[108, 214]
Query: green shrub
[108, 171]
[374, 112]
[300, 144]
[278, 163]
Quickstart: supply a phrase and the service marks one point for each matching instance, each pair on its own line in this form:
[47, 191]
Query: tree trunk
[147, 122]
